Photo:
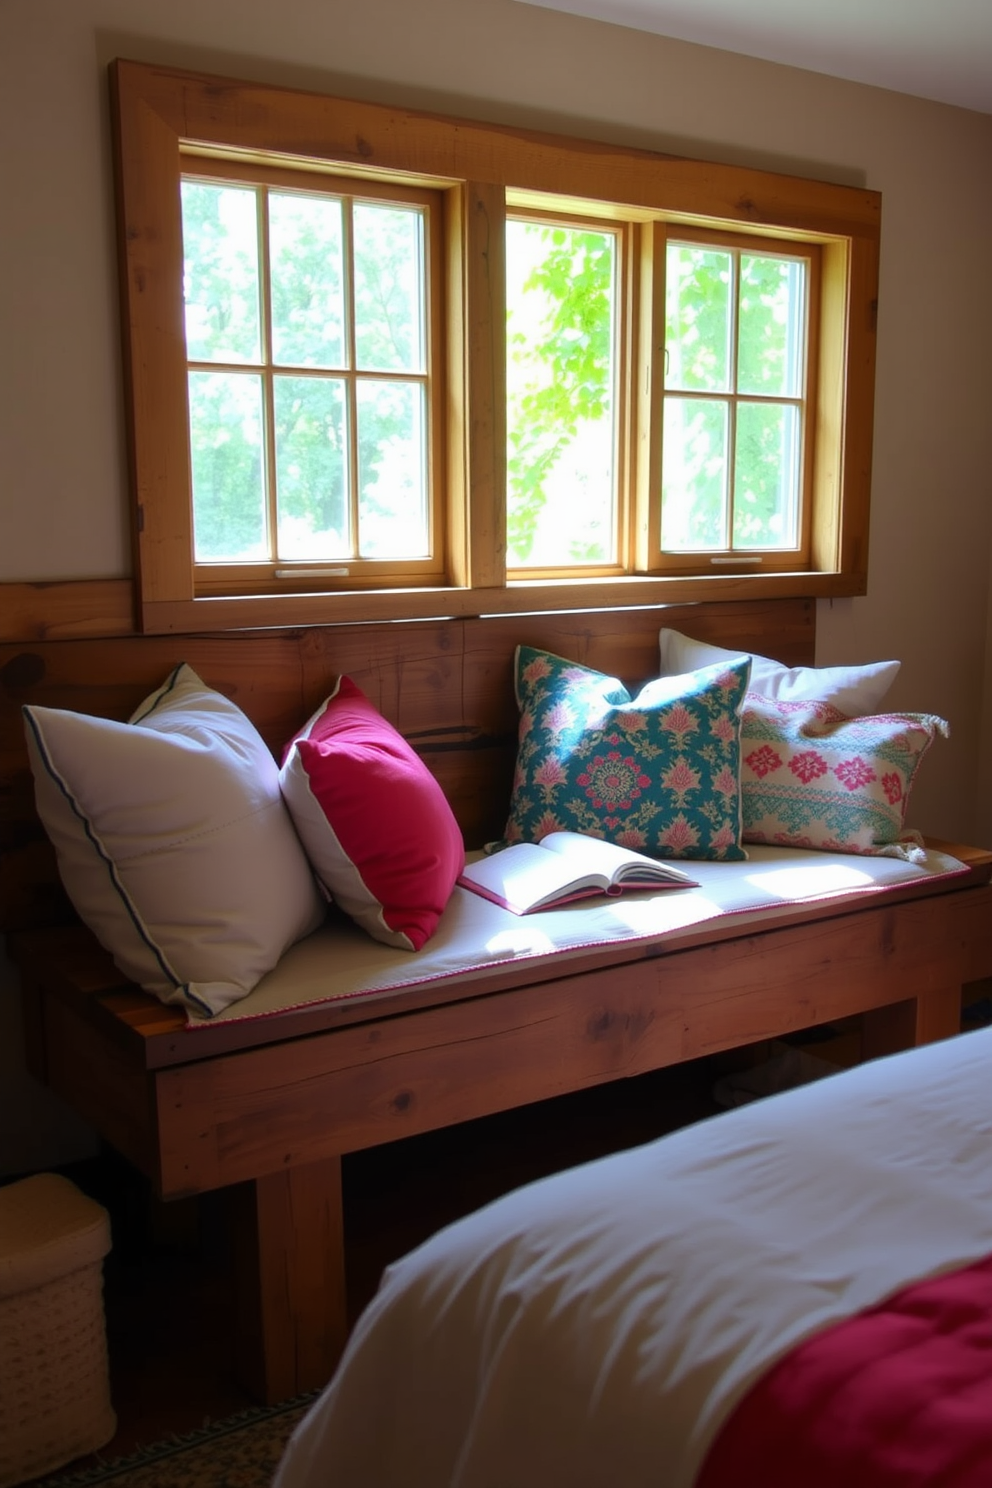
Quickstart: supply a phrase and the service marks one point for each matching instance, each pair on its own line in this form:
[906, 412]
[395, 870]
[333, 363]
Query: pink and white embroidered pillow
[810, 777]
[374, 822]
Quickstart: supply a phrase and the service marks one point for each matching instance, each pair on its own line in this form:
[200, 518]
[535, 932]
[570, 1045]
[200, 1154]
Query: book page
[593, 855]
[525, 875]
[563, 866]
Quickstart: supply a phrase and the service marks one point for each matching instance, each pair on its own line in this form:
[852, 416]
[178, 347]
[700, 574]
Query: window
[384, 365]
[739, 380]
[309, 380]
[563, 400]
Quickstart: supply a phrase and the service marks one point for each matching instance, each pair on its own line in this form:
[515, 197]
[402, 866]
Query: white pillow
[173, 841]
[852, 690]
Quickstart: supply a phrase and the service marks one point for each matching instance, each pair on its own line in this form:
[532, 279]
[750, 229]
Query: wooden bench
[265, 1108]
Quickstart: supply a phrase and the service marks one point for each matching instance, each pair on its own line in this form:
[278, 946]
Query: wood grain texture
[66, 611]
[162, 118]
[266, 1108]
[447, 685]
[270, 1122]
[72, 966]
[485, 397]
[256, 117]
[291, 1313]
[260, 612]
[94, 1075]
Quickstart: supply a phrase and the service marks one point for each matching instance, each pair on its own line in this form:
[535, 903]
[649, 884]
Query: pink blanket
[898, 1396]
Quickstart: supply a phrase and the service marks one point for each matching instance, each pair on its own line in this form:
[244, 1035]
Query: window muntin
[309, 379]
[298, 462]
[736, 442]
[168, 121]
[563, 404]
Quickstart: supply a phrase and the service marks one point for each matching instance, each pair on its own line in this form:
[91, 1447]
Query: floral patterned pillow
[811, 777]
[659, 773]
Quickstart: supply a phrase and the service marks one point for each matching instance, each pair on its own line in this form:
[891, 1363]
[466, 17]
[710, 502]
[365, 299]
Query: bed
[690, 1312]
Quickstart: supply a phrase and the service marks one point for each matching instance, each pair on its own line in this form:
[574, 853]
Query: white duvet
[597, 1327]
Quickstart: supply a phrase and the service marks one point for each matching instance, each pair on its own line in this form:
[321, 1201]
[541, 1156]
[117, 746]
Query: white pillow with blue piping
[173, 841]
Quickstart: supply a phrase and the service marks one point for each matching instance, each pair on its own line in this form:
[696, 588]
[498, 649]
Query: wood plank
[257, 1111]
[765, 987]
[485, 397]
[260, 1110]
[353, 607]
[70, 964]
[933, 1015]
[95, 1076]
[290, 1311]
[66, 610]
[446, 684]
[254, 116]
[858, 428]
[149, 223]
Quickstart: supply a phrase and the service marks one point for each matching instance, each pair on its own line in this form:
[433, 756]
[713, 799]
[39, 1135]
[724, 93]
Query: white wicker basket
[54, 1385]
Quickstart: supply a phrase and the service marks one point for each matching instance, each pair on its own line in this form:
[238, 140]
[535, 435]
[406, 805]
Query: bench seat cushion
[473, 934]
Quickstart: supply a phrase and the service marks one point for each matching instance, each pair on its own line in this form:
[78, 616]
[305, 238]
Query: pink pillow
[810, 777]
[374, 822]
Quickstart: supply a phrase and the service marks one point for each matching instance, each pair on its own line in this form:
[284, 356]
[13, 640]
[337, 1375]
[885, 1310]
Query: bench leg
[920, 1020]
[291, 1319]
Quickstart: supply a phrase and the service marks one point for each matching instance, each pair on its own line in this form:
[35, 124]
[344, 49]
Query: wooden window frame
[770, 560]
[238, 578]
[160, 114]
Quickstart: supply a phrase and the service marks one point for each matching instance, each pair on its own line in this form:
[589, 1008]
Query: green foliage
[311, 467]
[700, 347]
[698, 319]
[560, 346]
[317, 410]
[728, 314]
[389, 288]
[226, 451]
[306, 246]
[221, 272]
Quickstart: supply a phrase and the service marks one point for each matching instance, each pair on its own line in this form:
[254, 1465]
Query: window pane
[561, 395]
[220, 272]
[305, 252]
[311, 468]
[225, 418]
[389, 288]
[694, 475]
[698, 316]
[772, 318]
[392, 470]
[766, 480]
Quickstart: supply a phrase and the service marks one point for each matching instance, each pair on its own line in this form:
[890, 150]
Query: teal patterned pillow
[810, 777]
[659, 773]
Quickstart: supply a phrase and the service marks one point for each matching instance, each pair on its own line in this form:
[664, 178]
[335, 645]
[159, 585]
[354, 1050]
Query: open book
[564, 866]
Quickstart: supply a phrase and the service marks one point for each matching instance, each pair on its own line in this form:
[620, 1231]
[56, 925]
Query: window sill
[249, 612]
